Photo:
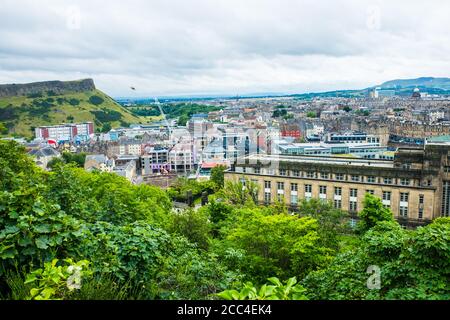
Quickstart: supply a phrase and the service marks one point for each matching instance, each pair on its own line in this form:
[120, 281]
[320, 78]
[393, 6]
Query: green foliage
[217, 176]
[3, 129]
[105, 116]
[183, 120]
[373, 212]
[277, 244]
[182, 111]
[96, 100]
[106, 128]
[178, 191]
[8, 113]
[279, 113]
[413, 264]
[193, 224]
[76, 158]
[240, 193]
[347, 109]
[332, 222]
[74, 102]
[311, 114]
[53, 282]
[275, 291]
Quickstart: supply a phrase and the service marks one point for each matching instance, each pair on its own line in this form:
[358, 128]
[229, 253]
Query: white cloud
[190, 47]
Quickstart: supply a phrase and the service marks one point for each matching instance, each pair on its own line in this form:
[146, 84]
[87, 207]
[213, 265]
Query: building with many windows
[65, 132]
[415, 185]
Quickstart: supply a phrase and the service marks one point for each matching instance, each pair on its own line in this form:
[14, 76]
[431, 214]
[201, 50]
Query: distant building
[65, 132]
[155, 160]
[415, 185]
[127, 170]
[42, 156]
[181, 158]
[416, 94]
[99, 162]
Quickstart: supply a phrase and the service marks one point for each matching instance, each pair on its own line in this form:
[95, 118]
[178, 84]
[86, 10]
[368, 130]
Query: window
[339, 176]
[322, 189]
[404, 197]
[353, 206]
[280, 197]
[282, 172]
[421, 205]
[267, 197]
[310, 174]
[257, 171]
[324, 175]
[337, 191]
[338, 204]
[353, 193]
[294, 199]
[294, 187]
[308, 188]
[405, 182]
[387, 195]
[296, 173]
[371, 179]
[387, 180]
[267, 184]
[403, 212]
[355, 178]
[244, 169]
[372, 192]
[280, 185]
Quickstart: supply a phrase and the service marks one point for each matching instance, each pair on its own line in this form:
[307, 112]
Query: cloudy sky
[179, 47]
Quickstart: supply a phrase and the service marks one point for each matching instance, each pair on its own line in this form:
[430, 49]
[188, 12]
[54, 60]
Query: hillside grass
[21, 114]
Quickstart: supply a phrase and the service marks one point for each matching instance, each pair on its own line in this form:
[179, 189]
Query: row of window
[337, 176]
[353, 203]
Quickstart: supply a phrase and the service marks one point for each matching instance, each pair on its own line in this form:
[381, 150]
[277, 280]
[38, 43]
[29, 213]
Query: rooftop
[358, 162]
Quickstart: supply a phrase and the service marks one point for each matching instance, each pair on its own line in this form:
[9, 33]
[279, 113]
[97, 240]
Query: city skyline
[228, 48]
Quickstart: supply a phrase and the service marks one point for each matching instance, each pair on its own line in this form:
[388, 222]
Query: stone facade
[413, 185]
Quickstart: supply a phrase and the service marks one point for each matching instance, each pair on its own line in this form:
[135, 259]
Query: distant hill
[26, 106]
[401, 87]
[424, 82]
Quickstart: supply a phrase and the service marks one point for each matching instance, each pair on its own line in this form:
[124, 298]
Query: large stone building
[415, 185]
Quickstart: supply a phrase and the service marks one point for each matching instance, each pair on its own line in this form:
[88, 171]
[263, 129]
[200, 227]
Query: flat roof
[321, 159]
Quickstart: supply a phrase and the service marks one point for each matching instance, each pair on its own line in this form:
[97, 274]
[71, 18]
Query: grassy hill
[425, 82]
[19, 115]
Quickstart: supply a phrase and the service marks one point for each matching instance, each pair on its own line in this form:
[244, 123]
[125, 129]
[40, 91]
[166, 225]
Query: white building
[64, 132]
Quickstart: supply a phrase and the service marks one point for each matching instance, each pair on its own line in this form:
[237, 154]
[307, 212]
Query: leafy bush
[275, 291]
[96, 100]
[107, 115]
[74, 102]
[54, 282]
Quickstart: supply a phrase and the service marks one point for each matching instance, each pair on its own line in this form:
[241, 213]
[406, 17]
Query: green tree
[373, 212]
[413, 265]
[311, 114]
[347, 109]
[182, 120]
[193, 224]
[77, 158]
[277, 244]
[96, 100]
[3, 129]
[106, 127]
[217, 176]
[332, 221]
[240, 193]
